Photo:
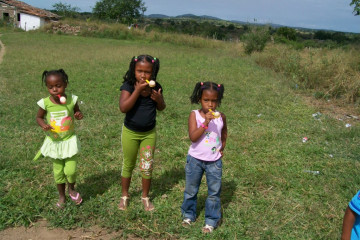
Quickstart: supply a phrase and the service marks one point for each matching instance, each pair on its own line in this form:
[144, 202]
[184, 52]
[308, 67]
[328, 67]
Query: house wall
[11, 10]
[30, 22]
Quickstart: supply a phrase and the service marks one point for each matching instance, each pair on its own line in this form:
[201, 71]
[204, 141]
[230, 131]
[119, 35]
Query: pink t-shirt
[207, 147]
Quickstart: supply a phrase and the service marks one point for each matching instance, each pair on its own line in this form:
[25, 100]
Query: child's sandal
[124, 202]
[148, 206]
[77, 199]
[186, 222]
[207, 229]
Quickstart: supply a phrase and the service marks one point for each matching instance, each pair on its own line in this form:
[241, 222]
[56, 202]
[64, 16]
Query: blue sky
[317, 14]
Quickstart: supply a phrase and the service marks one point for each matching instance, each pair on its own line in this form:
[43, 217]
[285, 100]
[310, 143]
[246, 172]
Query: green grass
[266, 193]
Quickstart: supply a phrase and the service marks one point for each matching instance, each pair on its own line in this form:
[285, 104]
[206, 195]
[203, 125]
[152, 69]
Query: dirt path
[40, 231]
[2, 50]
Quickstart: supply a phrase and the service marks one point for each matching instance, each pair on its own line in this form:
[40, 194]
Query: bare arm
[77, 113]
[223, 134]
[194, 132]
[40, 120]
[348, 223]
[127, 100]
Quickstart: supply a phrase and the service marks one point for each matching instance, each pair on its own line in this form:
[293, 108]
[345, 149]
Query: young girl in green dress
[56, 116]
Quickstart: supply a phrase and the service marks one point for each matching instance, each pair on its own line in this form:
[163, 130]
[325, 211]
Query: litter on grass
[317, 115]
[313, 172]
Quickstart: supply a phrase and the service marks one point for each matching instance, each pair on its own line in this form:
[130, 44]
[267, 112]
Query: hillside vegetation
[327, 67]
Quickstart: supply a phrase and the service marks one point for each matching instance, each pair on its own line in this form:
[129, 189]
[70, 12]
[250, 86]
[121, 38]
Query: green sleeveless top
[60, 117]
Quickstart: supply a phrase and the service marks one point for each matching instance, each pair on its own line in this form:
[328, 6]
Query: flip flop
[76, 199]
[60, 205]
[207, 229]
[186, 222]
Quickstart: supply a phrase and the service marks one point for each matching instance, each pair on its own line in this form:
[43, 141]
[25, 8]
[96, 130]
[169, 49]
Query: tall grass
[331, 73]
[122, 32]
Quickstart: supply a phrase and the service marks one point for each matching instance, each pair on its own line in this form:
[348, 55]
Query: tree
[288, 33]
[66, 10]
[124, 11]
[356, 4]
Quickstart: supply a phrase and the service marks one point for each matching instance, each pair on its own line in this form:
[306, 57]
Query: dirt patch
[40, 231]
[333, 109]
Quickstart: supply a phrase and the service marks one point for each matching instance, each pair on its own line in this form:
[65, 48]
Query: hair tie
[201, 83]
[152, 61]
[135, 59]
[218, 85]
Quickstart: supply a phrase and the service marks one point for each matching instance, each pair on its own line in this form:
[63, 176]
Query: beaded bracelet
[203, 126]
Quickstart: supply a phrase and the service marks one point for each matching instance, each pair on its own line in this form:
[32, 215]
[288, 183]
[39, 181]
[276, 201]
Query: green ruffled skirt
[59, 149]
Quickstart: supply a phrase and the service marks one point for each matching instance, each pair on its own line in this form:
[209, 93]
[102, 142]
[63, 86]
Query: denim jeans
[194, 171]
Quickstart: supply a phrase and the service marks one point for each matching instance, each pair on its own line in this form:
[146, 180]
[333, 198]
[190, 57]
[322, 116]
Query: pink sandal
[78, 200]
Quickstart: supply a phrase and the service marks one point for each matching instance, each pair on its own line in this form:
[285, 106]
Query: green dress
[61, 141]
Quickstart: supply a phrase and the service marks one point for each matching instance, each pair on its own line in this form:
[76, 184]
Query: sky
[315, 14]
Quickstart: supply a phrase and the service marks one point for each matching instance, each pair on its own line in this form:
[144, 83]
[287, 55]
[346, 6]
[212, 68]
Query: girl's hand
[156, 95]
[221, 152]
[46, 127]
[208, 117]
[159, 99]
[78, 115]
[141, 86]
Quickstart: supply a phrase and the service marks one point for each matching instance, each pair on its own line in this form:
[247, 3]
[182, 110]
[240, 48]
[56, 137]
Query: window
[6, 16]
[18, 17]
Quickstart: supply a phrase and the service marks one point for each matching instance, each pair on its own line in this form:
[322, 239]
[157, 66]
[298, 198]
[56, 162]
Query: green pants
[138, 142]
[65, 170]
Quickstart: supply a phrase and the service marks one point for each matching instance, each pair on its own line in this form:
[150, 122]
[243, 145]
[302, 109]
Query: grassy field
[267, 193]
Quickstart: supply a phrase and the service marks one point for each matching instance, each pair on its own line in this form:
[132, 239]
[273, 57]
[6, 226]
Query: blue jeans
[194, 171]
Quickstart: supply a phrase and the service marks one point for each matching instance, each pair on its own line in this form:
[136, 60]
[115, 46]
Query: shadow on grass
[228, 188]
[99, 183]
[167, 181]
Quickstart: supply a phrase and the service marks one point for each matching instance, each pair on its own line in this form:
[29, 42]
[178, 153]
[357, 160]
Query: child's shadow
[228, 188]
[166, 181]
[99, 183]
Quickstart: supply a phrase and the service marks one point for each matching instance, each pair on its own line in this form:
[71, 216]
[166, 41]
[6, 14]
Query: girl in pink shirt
[208, 133]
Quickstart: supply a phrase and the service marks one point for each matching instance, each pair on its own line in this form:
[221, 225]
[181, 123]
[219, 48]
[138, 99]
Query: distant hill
[197, 17]
[158, 16]
[193, 16]
[183, 16]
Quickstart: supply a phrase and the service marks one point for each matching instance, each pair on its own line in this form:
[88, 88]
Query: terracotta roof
[26, 8]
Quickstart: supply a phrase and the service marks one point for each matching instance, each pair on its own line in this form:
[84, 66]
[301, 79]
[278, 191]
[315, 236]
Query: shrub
[256, 39]
[288, 33]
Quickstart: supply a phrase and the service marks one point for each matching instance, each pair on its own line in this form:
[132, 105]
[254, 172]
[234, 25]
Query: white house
[25, 16]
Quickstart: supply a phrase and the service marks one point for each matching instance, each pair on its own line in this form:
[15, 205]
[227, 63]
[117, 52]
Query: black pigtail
[197, 92]
[64, 75]
[43, 78]
[155, 68]
[221, 90]
[130, 74]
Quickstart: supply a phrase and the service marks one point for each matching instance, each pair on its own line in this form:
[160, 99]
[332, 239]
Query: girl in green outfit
[55, 116]
[139, 99]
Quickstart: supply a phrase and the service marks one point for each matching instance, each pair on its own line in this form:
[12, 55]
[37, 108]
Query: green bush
[288, 33]
[256, 40]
